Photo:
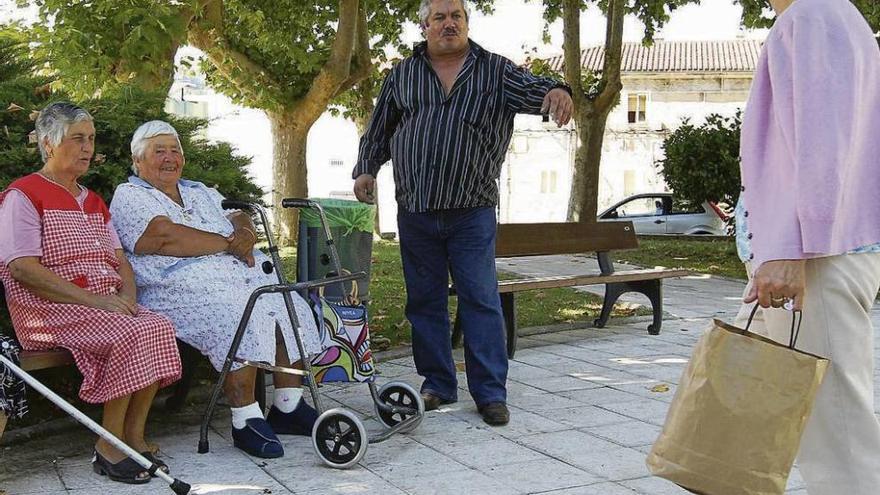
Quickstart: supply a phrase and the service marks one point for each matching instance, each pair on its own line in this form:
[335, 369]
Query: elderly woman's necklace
[72, 188]
[177, 198]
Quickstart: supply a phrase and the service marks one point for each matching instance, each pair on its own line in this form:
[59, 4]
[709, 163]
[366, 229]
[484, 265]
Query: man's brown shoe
[495, 413]
[433, 402]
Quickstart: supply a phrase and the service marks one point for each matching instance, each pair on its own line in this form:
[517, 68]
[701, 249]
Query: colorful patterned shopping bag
[345, 337]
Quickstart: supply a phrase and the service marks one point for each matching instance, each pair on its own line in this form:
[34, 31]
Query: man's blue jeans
[462, 242]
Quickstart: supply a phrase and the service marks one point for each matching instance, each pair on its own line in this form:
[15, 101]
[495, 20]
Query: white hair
[146, 132]
[425, 11]
[54, 121]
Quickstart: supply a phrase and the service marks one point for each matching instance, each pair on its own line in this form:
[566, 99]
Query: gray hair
[425, 10]
[55, 120]
[146, 132]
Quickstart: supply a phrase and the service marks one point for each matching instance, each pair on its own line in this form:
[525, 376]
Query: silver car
[657, 213]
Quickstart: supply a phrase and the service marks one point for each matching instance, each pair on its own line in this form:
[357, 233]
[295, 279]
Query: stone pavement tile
[654, 486]
[440, 422]
[601, 395]
[398, 458]
[470, 482]
[628, 434]
[585, 416]
[323, 479]
[596, 489]
[650, 411]
[653, 346]
[541, 475]
[32, 478]
[568, 366]
[524, 372]
[612, 377]
[480, 454]
[539, 357]
[522, 423]
[391, 370]
[583, 354]
[668, 374]
[540, 401]
[561, 383]
[648, 390]
[600, 457]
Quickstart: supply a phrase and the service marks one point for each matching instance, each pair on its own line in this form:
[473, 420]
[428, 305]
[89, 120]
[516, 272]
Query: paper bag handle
[795, 330]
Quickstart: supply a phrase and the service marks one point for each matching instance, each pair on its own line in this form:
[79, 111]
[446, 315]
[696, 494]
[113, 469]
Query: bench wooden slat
[38, 360]
[517, 285]
[527, 239]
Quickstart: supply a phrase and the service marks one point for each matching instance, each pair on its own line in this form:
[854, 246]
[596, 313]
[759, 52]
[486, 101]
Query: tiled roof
[676, 56]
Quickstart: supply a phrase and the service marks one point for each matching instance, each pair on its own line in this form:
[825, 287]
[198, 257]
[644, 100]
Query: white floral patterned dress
[205, 296]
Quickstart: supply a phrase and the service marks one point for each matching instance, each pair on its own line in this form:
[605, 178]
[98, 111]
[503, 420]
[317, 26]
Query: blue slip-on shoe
[298, 422]
[257, 439]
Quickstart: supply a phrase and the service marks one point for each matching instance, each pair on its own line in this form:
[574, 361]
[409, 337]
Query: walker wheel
[402, 395]
[339, 438]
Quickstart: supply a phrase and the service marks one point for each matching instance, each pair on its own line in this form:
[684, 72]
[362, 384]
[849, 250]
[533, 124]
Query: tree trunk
[582, 204]
[289, 172]
[590, 113]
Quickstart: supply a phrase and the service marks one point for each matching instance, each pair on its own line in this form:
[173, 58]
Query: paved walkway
[586, 405]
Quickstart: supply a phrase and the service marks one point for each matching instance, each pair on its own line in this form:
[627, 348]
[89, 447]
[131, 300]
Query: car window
[641, 207]
[681, 207]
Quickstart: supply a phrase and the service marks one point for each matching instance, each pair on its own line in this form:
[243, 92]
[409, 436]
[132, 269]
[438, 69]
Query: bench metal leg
[508, 308]
[653, 289]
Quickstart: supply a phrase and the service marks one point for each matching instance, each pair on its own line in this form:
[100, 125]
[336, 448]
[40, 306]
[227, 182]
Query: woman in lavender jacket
[808, 224]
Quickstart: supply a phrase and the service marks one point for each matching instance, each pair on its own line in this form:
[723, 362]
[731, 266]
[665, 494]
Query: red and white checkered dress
[117, 354]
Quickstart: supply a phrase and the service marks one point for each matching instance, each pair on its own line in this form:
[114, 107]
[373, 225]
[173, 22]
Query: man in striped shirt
[445, 117]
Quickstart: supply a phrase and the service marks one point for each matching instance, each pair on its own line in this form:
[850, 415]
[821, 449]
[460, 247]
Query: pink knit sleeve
[812, 72]
[19, 218]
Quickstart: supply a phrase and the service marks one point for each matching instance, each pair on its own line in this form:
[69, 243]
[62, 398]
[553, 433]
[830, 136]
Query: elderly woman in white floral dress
[196, 263]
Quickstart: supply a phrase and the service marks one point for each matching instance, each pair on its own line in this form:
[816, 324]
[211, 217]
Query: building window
[336, 162]
[548, 182]
[636, 108]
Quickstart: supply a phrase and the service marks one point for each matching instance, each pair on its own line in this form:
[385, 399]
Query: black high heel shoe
[125, 471]
[158, 462]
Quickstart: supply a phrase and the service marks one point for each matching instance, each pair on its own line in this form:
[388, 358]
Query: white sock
[242, 414]
[286, 399]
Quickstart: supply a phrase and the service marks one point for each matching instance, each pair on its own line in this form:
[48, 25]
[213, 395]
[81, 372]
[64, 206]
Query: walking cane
[179, 487]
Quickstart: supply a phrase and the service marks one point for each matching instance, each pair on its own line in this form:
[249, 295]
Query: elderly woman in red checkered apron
[69, 285]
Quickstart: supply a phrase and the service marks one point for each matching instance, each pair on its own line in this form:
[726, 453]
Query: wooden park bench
[535, 239]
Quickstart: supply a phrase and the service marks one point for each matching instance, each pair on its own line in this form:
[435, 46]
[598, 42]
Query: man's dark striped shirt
[447, 151]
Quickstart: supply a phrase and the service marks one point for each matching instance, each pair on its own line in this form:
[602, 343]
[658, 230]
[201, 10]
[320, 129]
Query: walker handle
[233, 204]
[296, 203]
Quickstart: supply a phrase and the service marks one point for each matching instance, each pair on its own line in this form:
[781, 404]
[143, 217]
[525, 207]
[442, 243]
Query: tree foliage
[702, 162]
[118, 112]
[758, 13]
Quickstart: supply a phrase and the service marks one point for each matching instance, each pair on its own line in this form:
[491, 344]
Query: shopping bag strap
[350, 299]
[795, 329]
